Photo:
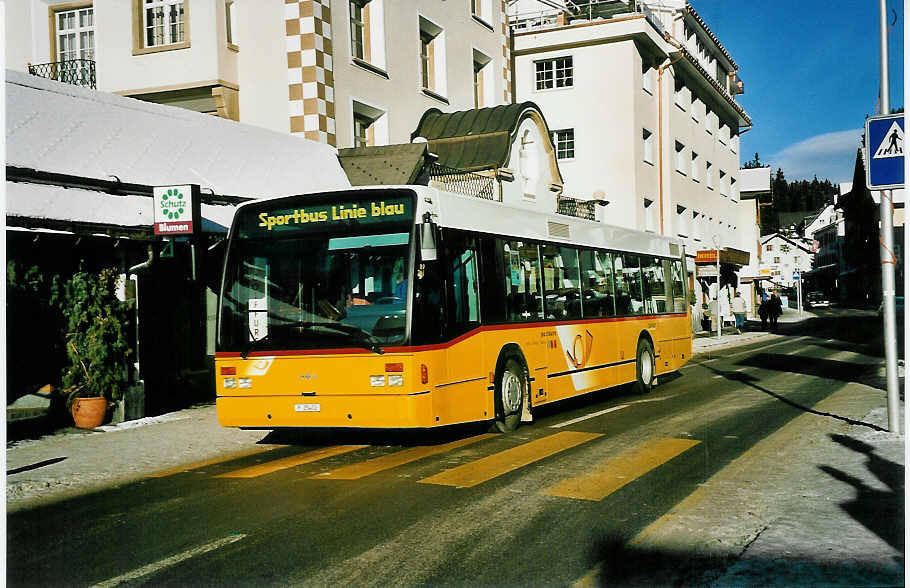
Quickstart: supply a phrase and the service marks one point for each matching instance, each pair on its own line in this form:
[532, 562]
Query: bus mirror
[428, 241]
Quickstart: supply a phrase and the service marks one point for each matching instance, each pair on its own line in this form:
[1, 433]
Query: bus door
[465, 375]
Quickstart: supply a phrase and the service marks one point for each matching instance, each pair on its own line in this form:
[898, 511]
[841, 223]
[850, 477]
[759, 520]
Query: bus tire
[511, 385]
[644, 366]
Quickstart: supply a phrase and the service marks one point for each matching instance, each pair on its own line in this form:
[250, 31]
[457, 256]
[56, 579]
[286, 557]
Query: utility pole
[887, 248]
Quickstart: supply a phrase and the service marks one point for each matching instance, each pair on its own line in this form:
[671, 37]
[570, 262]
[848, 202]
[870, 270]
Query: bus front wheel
[644, 367]
[511, 383]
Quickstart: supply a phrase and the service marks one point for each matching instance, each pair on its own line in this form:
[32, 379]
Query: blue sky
[811, 74]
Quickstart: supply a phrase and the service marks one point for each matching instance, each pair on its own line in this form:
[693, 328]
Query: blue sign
[796, 275]
[885, 152]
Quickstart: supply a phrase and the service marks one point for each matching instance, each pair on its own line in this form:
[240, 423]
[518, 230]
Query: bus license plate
[306, 408]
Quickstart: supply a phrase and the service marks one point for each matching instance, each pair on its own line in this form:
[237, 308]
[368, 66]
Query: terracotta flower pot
[88, 413]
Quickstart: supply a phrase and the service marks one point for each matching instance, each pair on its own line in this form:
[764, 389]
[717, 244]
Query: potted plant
[97, 345]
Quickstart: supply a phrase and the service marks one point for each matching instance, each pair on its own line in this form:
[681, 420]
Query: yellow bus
[412, 307]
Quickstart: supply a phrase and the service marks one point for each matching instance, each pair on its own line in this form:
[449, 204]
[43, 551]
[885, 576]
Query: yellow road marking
[289, 462]
[385, 462]
[487, 468]
[202, 464]
[612, 474]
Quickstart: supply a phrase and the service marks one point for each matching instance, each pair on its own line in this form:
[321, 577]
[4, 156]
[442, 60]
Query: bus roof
[490, 216]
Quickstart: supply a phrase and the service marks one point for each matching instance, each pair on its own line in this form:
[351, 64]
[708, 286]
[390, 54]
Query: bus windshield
[323, 287]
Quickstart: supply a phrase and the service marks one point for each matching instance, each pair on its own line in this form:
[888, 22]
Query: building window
[680, 157]
[734, 142]
[359, 32]
[432, 58]
[733, 193]
[483, 80]
[679, 93]
[163, 22]
[769, 247]
[722, 180]
[723, 133]
[647, 77]
[229, 22]
[697, 221]
[710, 121]
[75, 34]
[370, 125]
[709, 176]
[553, 73]
[650, 215]
[695, 163]
[483, 10]
[682, 221]
[696, 106]
[777, 260]
[564, 141]
[647, 138]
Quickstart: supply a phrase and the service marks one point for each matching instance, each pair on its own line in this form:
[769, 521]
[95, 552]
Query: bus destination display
[324, 216]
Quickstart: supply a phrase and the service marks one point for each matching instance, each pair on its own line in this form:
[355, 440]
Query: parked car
[817, 300]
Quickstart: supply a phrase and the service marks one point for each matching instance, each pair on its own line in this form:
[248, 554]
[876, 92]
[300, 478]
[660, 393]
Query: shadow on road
[880, 511]
[619, 564]
[751, 381]
[404, 438]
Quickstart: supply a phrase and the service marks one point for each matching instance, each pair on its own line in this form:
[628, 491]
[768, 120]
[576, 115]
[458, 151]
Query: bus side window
[463, 303]
[679, 290]
[522, 267]
[492, 294]
[428, 324]
[597, 283]
[561, 282]
[629, 298]
[654, 283]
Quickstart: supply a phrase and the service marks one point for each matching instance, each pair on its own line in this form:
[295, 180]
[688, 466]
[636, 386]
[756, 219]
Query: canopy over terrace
[731, 261]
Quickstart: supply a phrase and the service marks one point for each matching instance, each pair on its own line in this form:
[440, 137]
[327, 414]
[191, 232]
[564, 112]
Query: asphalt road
[541, 506]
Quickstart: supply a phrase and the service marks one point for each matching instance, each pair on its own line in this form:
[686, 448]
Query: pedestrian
[775, 309]
[763, 314]
[739, 311]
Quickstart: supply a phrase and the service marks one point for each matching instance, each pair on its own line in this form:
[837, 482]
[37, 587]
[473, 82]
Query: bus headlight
[230, 382]
[377, 381]
[245, 383]
[396, 380]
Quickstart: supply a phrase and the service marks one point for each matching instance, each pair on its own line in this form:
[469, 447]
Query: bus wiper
[361, 336]
[253, 344]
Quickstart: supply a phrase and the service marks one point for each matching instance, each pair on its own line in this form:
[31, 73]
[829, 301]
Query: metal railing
[577, 208]
[462, 182]
[78, 72]
[583, 10]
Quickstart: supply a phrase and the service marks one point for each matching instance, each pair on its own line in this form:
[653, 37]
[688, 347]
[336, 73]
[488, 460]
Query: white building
[783, 256]
[640, 100]
[342, 72]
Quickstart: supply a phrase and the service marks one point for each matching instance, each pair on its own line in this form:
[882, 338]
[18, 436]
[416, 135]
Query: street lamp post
[717, 317]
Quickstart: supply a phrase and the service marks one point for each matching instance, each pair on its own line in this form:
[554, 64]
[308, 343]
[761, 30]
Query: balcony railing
[577, 208]
[462, 182]
[79, 72]
[582, 10]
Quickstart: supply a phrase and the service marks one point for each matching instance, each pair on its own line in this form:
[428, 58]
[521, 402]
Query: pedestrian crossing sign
[885, 152]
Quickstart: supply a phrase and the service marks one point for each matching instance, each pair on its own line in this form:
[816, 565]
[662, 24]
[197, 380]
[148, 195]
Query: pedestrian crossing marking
[487, 468]
[208, 462]
[386, 462]
[892, 144]
[612, 474]
[289, 462]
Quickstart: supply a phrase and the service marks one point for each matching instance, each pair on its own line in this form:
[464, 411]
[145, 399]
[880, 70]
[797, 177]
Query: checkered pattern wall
[506, 57]
[311, 82]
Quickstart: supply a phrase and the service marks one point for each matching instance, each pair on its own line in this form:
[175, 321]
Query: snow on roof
[67, 129]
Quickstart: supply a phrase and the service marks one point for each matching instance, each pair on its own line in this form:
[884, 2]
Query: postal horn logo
[173, 204]
[580, 352]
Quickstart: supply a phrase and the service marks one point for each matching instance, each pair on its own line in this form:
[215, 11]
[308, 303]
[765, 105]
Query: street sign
[885, 152]
[796, 275]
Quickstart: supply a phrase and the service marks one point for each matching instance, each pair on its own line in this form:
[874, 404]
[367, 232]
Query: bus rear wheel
[644, 367]
[511, 384]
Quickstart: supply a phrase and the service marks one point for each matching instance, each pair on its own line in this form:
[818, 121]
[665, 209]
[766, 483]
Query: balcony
[78, 72]
[577, 208]
[461, 182]
[582, 11]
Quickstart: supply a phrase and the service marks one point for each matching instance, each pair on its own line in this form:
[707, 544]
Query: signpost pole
[887, 248]
[717, 317]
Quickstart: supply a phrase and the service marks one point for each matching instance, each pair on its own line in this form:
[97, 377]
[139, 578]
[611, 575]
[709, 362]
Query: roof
[772, 236]
[691, 10]
[56, 127]
[798, 217]
[384, 165]
[473, 140]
